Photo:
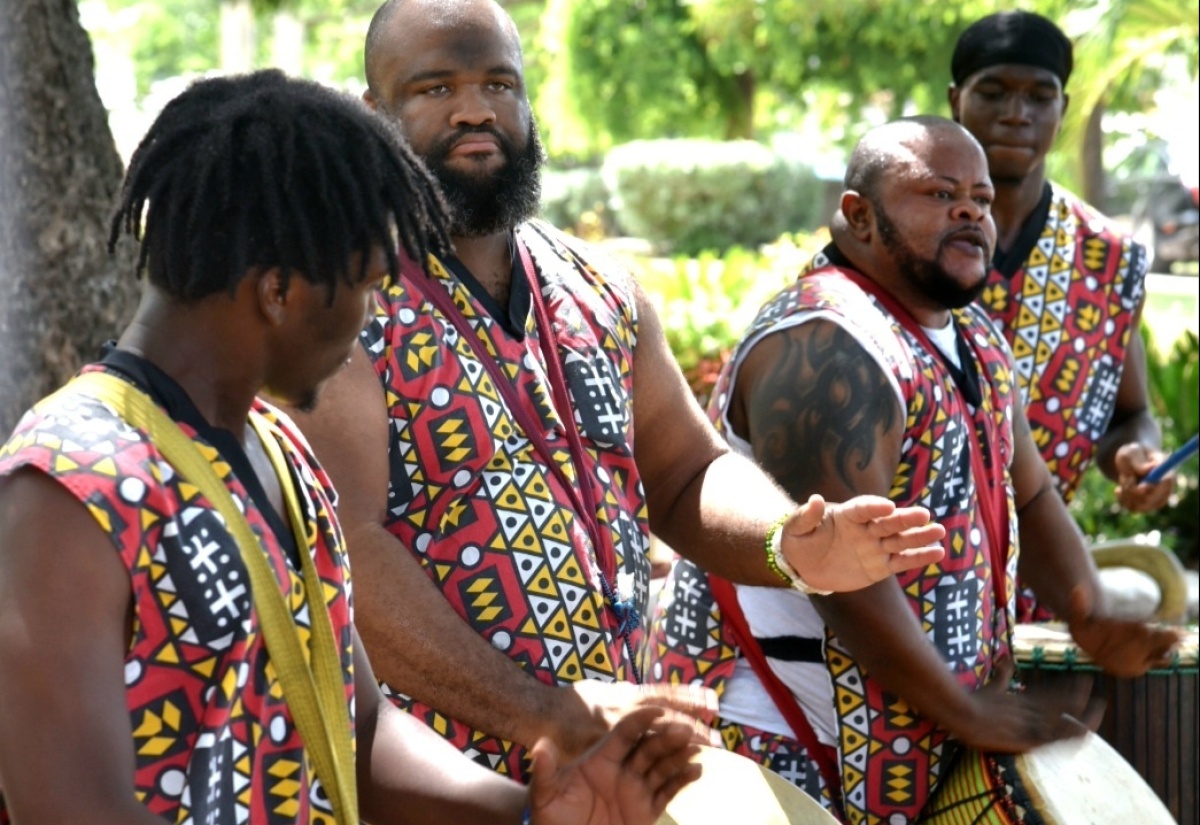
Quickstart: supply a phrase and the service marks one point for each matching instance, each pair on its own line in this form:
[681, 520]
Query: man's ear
[952, 93]
[370, 99]
[272, 293]
[1066, 103]
[859, 215]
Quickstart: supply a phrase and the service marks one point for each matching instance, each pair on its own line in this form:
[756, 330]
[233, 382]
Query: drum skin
[1151, 721]
[1080, 781]
[734, 790]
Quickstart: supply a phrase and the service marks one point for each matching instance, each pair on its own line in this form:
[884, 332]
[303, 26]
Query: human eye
[435, 90]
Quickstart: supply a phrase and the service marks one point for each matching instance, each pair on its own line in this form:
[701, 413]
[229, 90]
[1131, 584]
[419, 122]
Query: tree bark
[1095, 179]
[61, 294]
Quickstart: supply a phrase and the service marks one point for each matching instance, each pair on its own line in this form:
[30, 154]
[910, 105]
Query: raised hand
[626, 779]
[848, 546]
[586, 710]
[1120, 647]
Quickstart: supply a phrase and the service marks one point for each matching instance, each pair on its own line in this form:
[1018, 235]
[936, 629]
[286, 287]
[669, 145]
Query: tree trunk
[61, 294]
[1094, 177]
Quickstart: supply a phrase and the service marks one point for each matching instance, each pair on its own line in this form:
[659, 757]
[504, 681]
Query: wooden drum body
[734, 790]
[1150, 721]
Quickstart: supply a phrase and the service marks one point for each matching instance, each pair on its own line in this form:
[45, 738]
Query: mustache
[445, 145]
[970, 233]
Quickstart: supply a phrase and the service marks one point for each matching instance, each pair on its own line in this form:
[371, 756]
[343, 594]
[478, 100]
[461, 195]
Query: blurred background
[702, 141]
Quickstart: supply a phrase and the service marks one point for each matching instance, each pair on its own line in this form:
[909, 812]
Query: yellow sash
[312, 686]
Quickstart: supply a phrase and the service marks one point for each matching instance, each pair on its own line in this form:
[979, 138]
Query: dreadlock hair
[266, 170]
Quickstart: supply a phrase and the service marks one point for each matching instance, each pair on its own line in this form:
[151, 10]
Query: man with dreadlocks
[209, 670]
[496, 503]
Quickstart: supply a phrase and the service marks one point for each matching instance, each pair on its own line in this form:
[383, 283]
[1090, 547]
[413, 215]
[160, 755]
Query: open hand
[586, 710]
[626, 779]
[848, 546]
[1118, 646]
[1132, 462]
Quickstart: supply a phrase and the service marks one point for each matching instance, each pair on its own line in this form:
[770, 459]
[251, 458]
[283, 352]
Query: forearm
[409, 774]
[877, 625]
[720, 520]
[421, 647]
[1054, 559]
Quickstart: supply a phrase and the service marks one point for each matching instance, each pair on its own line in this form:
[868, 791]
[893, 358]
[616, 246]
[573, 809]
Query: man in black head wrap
[1066, 286]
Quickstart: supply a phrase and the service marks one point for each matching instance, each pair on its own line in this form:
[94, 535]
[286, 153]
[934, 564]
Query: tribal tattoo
[819, 408]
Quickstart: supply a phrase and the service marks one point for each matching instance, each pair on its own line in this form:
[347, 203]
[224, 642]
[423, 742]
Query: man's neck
[209, 366]
[489, 259]
[1015, 201]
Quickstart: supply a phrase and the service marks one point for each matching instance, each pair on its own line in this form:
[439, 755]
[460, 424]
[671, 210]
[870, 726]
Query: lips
[968, 240]
[475, 143]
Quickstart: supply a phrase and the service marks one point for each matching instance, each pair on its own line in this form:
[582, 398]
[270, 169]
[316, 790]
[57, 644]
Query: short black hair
[266, 170]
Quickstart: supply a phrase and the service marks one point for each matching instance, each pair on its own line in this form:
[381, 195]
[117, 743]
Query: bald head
[916, 214]
[398, 22]
[895, 146]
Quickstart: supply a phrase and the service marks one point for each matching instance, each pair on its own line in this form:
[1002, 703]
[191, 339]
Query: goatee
[483, 203]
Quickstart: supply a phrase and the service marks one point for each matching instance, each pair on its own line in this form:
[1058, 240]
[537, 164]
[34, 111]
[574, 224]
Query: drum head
[737, 791]
[1084, 781]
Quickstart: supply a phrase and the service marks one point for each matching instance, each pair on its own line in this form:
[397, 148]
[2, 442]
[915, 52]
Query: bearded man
[496, 502]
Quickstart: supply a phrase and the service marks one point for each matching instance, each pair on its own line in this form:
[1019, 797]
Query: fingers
[915, 558]
[862, 509]
[900, 522]
[662, 753]
[544, 775]
[808, 516]
[692, 699]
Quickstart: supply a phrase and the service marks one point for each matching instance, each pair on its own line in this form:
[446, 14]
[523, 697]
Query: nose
[472, 108]
[1016, 109]
[969, 209]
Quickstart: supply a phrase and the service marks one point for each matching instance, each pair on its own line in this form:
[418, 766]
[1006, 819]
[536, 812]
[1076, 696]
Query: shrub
[687, 196]
[577, 200]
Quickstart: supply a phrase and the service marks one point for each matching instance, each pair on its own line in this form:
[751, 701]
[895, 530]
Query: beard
[928, 274]
[484, 204]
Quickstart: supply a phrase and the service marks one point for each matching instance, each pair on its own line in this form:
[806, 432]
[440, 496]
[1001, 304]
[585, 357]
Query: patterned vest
[890, 756]
[213, 737]
[472, 498]
[1067, 314]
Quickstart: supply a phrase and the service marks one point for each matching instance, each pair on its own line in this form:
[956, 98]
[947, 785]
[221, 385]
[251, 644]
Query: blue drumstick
[1172, 461]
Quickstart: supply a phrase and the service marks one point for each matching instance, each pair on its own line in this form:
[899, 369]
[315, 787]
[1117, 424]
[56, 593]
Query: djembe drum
[1079, 781]
[1150, 721]
[734, 790]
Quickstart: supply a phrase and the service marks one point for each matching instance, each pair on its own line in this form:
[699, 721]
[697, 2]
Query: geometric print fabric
[214, 740]
[1067, 315]
[889, 756]
[472, 498]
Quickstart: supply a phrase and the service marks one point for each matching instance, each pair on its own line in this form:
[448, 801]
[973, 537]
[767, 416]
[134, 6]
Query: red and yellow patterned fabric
[473, 501]
[1068, 314]
[213, 737]
[889, 756]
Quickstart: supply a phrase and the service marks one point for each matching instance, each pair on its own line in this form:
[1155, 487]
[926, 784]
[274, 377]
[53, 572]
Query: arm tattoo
[819, 409]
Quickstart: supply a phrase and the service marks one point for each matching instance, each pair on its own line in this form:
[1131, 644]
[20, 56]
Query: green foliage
[690, 195]
[1174, 382]
[577, 200]
[626, 70]
[706, 303]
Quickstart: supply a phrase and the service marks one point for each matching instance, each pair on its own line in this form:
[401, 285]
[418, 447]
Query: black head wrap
[1012, 37]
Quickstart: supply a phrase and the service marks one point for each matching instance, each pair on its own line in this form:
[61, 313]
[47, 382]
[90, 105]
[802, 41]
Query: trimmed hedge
[688, 195]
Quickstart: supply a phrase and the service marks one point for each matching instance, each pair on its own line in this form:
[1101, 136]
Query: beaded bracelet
[779, 563]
